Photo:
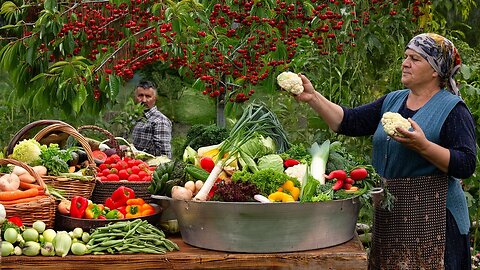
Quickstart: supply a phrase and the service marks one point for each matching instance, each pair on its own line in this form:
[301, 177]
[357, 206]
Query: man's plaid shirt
[154, 134]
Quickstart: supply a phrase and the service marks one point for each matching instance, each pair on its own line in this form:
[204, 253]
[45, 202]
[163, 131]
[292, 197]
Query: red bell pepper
[122, 209]
[16, 220]
[78, 207]
[121, 195]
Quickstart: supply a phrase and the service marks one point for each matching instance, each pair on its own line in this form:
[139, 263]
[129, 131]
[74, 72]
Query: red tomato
[123, 164]
[113, 177]
[131, 163]
[117, 166]
[142, 174]
[105, 172]
[113, 170]
[133, 177]
[115, 157]
[147, 178]
[123, 174]
[138, 162]
[109, 160]
[207, 164]
[103, 178]
[102, 166]
[135, 169]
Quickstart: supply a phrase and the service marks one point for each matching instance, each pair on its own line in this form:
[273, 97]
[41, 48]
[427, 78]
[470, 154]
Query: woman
[429, 224]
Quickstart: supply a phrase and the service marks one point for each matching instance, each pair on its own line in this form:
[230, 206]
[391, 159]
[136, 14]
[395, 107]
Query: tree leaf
[114, 86]
[80, 97]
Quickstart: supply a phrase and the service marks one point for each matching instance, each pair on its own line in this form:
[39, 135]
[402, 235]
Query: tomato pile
[116, 169]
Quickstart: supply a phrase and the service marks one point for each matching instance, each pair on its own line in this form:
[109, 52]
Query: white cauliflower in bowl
[290, 82]
[390, 122]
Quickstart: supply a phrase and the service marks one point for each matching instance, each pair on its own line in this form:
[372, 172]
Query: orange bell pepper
[133, 211]
[147, 209]
[135, 201]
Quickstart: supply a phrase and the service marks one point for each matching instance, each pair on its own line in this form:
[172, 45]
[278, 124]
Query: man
[153, 134]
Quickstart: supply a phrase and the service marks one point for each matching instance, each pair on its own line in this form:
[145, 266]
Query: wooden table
[350, 255]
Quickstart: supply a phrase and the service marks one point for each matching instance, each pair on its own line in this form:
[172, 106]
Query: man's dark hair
[147, 85]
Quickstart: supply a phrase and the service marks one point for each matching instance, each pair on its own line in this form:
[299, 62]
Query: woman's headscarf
[441, 54]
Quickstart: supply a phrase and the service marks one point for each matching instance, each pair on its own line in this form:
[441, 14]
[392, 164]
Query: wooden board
[348, 256]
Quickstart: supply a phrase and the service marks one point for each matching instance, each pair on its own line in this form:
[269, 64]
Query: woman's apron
[412, 234]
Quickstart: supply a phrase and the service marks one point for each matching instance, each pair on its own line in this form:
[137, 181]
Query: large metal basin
[266, 228]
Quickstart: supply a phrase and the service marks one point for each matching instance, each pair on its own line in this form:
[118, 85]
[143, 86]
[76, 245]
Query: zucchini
[196, 172]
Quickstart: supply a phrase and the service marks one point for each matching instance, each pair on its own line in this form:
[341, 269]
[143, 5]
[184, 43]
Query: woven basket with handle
[40, 207]
[71, 187]
[57, 132]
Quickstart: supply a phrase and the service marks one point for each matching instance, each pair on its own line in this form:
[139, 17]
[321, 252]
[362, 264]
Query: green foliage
[200, 135]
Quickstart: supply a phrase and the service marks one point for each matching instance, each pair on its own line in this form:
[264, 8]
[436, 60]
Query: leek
[255, 119]
[319, 160]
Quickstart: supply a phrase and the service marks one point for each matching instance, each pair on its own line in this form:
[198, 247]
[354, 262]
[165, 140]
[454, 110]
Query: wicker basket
[103, 190]
[23, 134]
[71, 187]
[42, 208]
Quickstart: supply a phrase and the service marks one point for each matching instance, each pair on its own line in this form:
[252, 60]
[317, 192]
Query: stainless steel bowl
[266, 228]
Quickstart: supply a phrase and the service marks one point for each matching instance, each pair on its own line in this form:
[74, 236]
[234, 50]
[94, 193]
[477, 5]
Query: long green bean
[136, 236]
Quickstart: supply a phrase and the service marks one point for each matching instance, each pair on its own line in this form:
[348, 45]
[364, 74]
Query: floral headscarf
[441, 54]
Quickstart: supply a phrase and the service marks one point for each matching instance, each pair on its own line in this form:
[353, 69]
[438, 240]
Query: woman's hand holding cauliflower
[290, 82]
[391, 121]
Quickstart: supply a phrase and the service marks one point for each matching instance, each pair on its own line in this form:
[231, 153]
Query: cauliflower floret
[391, 121]
[298, 171]
[291, 82]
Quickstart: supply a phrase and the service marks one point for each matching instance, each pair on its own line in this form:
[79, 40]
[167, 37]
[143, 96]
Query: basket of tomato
[116, 171]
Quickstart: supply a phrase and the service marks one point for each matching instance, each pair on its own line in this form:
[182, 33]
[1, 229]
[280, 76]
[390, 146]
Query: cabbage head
[259, 146]
[272, 161]
[27, 151]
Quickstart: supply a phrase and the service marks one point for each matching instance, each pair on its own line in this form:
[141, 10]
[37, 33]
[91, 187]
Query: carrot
[26, 186]
[18, 194]
[23, 200]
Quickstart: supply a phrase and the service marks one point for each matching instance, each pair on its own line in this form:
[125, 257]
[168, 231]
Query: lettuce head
[27, 151]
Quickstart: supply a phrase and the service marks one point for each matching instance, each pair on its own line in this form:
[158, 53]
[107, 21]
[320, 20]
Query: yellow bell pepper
[279, 196]
[290, 188]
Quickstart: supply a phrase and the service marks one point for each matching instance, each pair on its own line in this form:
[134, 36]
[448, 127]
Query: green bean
[111, 242]
[107, 235]
[134, 228]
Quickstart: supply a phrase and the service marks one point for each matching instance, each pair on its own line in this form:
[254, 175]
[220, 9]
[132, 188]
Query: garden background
[78, 61]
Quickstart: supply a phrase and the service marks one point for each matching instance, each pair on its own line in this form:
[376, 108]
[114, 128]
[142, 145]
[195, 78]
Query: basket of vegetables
[71, 170]
[23, 193]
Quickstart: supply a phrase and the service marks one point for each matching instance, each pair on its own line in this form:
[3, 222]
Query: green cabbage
[27, 151]
[272, 161]
[259, 146]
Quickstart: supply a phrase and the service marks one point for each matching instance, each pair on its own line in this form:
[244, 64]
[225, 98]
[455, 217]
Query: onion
[10, 235]
[181, 193]
[39, 226]
[31, 248]
[79, 248]
[6, 248]
[49, 235]
[30, 234]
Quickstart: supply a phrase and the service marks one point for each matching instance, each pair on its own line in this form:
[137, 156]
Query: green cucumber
[196, 172]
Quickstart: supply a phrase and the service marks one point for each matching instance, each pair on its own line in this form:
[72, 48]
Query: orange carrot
[26, 186]
[24, 200]
[18, 194]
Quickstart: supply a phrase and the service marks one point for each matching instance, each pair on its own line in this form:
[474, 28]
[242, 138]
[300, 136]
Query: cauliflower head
[27, 151]
[390, 121]
[291, 82]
